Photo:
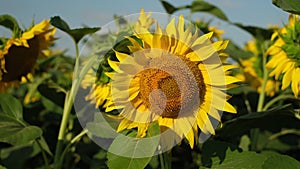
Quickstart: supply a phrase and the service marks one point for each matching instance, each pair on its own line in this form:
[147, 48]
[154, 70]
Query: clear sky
[99, 12]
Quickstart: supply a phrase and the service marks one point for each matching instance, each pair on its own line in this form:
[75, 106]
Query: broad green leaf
[133, 147]
[9, 22]
[168, 7]
[11, 106]
[216, 149]
[60, 24]
[76, 34]
[79, 33]
[202, 6]
[291, 6]
[276, 118]
[239, 160]
[255, 31]
[253, 160]
[16, 132]
[281, 161]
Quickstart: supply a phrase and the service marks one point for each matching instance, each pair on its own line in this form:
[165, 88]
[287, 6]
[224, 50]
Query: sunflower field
[151, 90]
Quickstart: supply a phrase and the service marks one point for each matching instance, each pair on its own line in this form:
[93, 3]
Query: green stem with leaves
[66, 112]
[74, 140]
[276, 99]
[263, 87]
[255, 132]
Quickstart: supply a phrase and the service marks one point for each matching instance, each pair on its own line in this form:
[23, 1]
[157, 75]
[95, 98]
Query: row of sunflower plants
[151, 90]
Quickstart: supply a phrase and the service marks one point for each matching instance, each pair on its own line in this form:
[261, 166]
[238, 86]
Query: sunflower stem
[263, 86]
[276, 99]
[43, 154]
[162, 162]
[66, 112]
[255, 132]
[74, 140]
[168, 159]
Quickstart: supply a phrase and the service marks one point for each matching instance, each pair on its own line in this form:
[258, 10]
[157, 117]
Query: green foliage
[76, 34]
[13, 129]
[168, 7]
[31, 114]
[257, 32]
[196, 6]
[252, 160]
[203, 6]
[291, 6]
[133, 148]
[9, 22]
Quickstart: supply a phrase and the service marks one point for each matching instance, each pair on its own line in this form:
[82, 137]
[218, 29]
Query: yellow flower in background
[217, 33]
[174, 78]
[100, 91]
[252, 71]
[19, 55]
[285, 55]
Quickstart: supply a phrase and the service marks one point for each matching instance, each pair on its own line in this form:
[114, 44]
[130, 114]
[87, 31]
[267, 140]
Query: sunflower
[19, 55]
[100, 91]
[252, 71]
[285, 55]
[174, 78]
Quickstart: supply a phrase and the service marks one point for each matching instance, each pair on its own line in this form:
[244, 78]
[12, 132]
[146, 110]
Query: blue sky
[99, 12]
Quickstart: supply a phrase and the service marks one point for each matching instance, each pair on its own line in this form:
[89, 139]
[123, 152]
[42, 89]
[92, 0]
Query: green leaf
[11, 106]
[236, 52]
[253, 160]
[168, 7]
[255, 31]
[133, 147]
[9, 22]
[101, 128]
[291, 6]
[45, 146]
[239, 160]
[202, 6]
[276, 118]
[60, 24]
[16, 132]
[79, 33]
[76, 34]
[216, 149]
[281, 161]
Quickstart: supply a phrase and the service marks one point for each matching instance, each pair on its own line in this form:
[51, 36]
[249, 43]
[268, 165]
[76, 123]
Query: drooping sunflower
[174, 78]
[19, 55]
[252, 71]
[285, 55]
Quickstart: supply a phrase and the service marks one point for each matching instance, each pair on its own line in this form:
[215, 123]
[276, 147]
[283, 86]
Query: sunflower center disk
[171, 87]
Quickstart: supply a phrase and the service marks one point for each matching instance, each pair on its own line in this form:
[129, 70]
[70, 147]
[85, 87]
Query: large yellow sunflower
[285, 53]
[19, 55]
[252, 71]
[174, 78]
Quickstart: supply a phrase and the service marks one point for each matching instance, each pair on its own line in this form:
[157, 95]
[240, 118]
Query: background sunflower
[20, 53]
